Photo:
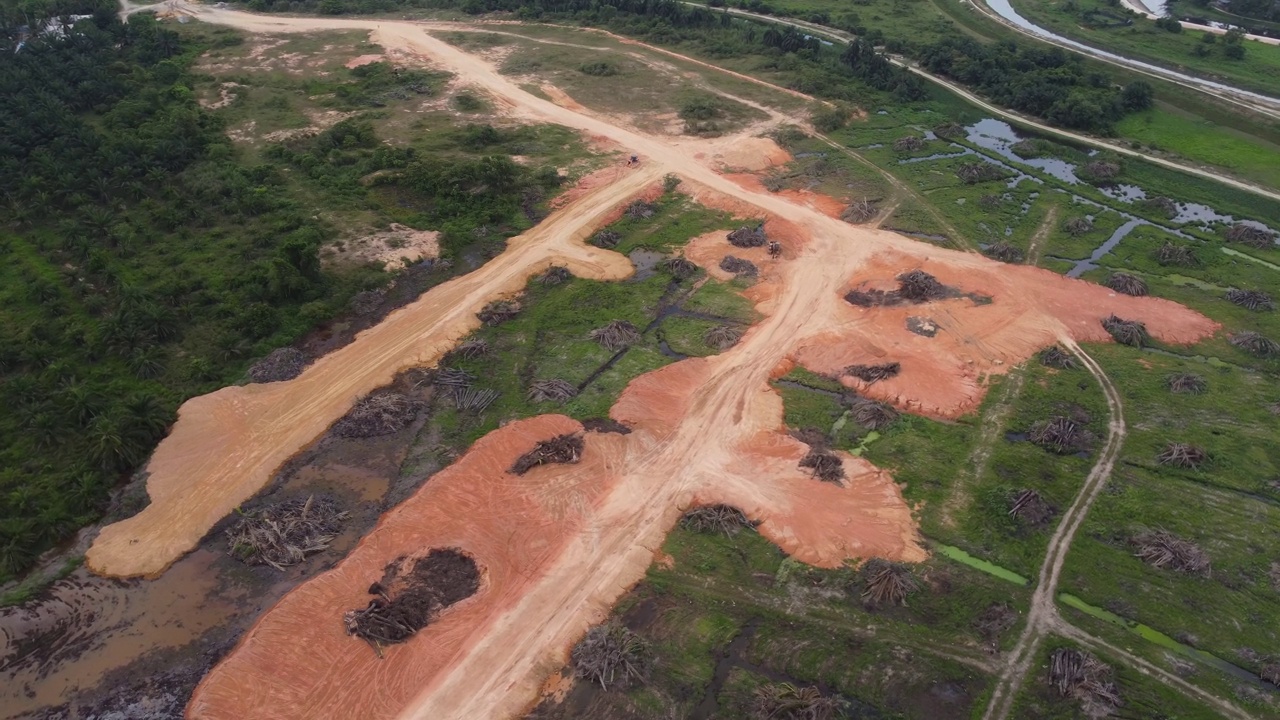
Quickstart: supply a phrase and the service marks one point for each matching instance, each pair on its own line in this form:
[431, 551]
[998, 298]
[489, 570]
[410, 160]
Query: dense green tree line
[140, 262]
[145, 262]
[1046, 82]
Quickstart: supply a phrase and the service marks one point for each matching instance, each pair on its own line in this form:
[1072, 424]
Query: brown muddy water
[88, 646]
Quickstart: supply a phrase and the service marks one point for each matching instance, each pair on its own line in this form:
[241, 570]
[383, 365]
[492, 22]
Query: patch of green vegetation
[730, 614]
[549, 339]
[1166, 129]
[1069, 240]
[1228, 507]
[685, 335]
[1142, 695]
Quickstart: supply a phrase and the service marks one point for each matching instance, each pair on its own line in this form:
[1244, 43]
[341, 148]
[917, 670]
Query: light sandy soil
[226, 96]
[559, 545]
[359, 60]
[391, 248]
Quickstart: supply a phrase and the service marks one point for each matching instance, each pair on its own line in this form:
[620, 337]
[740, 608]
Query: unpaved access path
[1043, 618]
[559, 545]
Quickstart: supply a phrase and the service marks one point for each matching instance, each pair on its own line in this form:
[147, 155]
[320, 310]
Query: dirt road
[1043, 617]
[559, 545]
[226, 445]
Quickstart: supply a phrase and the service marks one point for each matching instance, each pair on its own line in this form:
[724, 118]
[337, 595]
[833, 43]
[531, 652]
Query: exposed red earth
[558, 545]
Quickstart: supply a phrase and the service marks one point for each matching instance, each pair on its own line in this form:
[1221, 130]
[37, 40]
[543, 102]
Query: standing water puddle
[999, 137]
[1085, 266]
[1143, 631]
[965, 558]
[1236, 253]
[1155, 636]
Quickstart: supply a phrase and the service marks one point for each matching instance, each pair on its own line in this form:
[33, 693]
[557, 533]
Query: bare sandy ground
[559, 545]
[226, 445]
[393, 248]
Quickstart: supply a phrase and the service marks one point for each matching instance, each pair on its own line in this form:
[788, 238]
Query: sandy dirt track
[226, 444]
[559, 545]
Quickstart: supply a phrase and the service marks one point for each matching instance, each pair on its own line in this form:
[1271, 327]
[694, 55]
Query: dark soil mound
[605, 425]
[284, 363]
[408, 601]
[738, 266]
[748, 237]
[378, 414]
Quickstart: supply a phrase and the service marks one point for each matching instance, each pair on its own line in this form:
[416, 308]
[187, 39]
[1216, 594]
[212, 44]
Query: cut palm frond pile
[411, 594]
[498, 312]
[611, 655]
[551, 391]
[284, 534]
[784, 701]
[874, 373]
[1165, 550]
[469, 350]
[607, 239]
[679, 268]
[1255, 344]
[722, 337]
[1004, 252]
[453, 377]
[618, 334]
[748, 237]
[1186, 383]
[1056, 357]
[870, 414]
[378, 414]
[1171, 253]
[1101, 170]
[1182, 455]
[1060, 435]
[281, 364]
[641, 210]
[561, 449]
[859, 211]
[919, 286]
[1126, 332]
[555, 275]
[1163, 205]
[1078, 674]
[1253, 236]
[1078, 225]
[1127, 284]
[949, 131]
[909, 143]
[1029, 507]
[826, 466]
[738, 266]
[977, 172]
[886, 583]
[475, 400]
[1254, 300]
[716, 519]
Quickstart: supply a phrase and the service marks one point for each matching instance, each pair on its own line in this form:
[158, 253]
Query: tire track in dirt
[1043, 614]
